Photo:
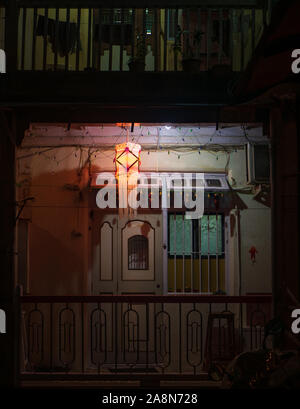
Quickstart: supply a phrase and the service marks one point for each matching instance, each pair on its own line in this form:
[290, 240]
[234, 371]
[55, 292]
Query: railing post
[82, 339]
[7, 256]
[17, 333]
[116, 335]
[148, 335]
[51, 336]
[11, 35]
[180, 338]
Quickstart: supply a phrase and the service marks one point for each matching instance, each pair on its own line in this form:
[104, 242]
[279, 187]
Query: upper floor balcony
[72, 50]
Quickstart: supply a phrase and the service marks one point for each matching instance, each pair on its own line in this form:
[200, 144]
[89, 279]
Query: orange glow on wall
[126, 124]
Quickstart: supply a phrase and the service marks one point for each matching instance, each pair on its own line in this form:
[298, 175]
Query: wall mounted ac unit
[211, 181]
[258, 162]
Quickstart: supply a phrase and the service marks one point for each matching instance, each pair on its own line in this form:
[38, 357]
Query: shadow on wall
[61, 215]
[58, 229]
[54, 268]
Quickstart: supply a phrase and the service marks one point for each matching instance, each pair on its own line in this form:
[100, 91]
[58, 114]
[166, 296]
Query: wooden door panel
[116, 269]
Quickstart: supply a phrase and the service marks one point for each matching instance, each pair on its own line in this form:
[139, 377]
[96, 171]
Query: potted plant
[137, 61]
[191, 61]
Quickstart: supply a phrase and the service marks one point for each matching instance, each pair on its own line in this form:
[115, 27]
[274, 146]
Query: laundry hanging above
[62, 35]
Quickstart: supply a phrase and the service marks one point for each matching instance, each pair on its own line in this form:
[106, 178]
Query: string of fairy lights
[88, 155]
[94, 151]
[92, 154]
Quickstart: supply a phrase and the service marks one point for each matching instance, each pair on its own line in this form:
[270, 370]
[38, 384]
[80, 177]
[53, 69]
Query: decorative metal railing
[138, 334]
[81, 36]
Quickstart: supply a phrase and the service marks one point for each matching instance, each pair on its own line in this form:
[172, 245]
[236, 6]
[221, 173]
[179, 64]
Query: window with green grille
[196, 237]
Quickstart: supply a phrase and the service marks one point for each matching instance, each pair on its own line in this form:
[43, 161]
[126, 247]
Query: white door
[127, 254]
[127, 259]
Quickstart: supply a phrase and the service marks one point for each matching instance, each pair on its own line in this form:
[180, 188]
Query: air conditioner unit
[212, 181]
[258, 162]
[216, 181]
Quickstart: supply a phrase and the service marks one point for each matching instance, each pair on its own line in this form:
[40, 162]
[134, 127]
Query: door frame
[159, 276]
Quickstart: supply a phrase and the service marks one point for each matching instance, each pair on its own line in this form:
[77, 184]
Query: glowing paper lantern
[127, 161]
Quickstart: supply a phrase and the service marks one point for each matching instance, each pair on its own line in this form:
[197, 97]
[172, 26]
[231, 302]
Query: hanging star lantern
[127, 158]
[127, 162]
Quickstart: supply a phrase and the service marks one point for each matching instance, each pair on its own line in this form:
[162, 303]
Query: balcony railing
[83, 38]
[134, 336]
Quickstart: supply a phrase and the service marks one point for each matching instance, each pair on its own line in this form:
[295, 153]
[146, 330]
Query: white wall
[60, 218]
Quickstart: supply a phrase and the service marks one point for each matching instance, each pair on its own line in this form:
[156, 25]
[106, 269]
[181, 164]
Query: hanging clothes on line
[62, 35]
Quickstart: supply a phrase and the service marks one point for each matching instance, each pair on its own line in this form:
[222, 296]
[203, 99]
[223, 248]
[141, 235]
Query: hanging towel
[62, 35]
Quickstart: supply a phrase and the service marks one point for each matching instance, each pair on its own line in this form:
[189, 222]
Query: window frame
[195, 252]
[145, 239]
